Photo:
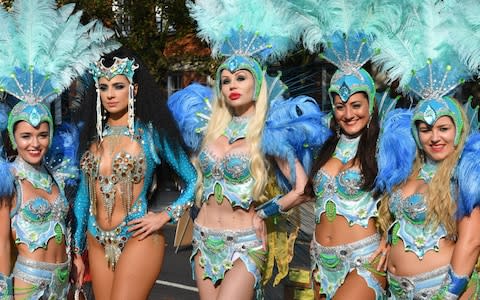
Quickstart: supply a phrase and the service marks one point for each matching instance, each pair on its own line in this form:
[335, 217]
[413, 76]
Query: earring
[337, 130]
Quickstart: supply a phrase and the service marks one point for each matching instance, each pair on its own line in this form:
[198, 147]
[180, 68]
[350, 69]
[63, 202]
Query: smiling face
[238, 88]
[32, 142]
[352, 116]
[437, 140]
[114, 94]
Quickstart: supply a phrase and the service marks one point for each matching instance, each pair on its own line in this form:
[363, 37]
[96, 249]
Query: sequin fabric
[155, 147]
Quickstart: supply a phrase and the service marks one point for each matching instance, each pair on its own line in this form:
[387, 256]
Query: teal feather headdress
[418, 50]
[42, 49]
[249, 33]
[345, 30]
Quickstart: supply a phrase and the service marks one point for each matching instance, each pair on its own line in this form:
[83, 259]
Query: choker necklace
[40, 179]
[236, 129]
[346, 148]
[428, 170]
[110, 130]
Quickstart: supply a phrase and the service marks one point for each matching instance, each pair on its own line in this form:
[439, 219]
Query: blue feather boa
[396, 150]
[294, 130]
[191, 109]
[6, 179]
[467, 175]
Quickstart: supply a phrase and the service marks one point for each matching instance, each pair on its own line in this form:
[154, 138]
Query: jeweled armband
[454, 285]
[6, 287]
[270, 208]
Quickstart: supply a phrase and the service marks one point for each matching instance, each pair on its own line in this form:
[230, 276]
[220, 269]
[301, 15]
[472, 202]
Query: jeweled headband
[345, 85]
[33, 114]
[240, 62]
[429, 111]
[120, 66]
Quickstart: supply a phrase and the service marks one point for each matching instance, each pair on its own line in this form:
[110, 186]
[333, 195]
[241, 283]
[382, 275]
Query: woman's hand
[381, 255]
[78, 271]
[261, 230]
[147, 225]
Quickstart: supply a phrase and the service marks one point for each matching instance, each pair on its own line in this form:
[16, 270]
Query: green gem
[218, 193]
[62, 274]
[58, 234]
[395, 237]
[215, 244]
[331, 210]
[329, 260]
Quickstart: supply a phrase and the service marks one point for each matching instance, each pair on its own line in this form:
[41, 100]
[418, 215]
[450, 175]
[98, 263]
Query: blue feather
[472, 115]
[396, 150]
[294, 129]
[467, 175]
[191, 108]
[385, 104]
[6, 179]
[62, 157]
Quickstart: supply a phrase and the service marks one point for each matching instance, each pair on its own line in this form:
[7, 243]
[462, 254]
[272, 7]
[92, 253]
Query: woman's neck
[120, 120]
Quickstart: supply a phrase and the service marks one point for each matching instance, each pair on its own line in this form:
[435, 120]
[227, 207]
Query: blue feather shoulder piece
[467, 174]
[6, 179]
[191, 108]
[62, 157]
[396, 150]
[294, 130]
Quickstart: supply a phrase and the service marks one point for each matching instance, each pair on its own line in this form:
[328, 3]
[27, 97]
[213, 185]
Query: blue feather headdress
[43, 48]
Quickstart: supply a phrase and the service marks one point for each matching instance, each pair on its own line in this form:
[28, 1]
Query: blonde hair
[259, 165]
[441, 205]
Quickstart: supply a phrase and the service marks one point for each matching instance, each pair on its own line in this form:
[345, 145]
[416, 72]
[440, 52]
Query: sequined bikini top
[127, 170]
[37, 221]
[409, 225]
[343, 195]
[227, 177]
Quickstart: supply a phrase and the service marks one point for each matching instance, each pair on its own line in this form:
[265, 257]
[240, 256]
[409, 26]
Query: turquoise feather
[216, 19]
[48, 47]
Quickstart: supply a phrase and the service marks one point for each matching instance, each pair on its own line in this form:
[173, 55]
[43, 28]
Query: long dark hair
[365, 154]
[150, 105]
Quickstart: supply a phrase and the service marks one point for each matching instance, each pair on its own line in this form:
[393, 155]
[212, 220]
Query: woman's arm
[5, 235]
[294, 197]
[466, 252]
[178, 160]
[80, 215]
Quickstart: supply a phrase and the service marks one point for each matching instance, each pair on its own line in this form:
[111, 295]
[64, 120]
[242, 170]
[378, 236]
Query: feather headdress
[418, 50]
[43, 48]
[345, 30]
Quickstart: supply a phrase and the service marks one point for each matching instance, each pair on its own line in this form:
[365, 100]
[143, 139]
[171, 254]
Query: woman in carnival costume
[347, 253]
[237, 137]
[124, 240]
[428, 163]
[33, 207]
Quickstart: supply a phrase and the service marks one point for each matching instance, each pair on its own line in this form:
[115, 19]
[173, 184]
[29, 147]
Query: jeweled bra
[127, 170]
[227, 177]
[410, 224]
[343, 195]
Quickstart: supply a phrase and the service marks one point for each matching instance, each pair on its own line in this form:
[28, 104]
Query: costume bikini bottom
[331, 265]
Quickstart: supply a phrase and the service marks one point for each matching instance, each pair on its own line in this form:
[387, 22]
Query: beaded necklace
[346, 148]
[236, 129]
[39, 178]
